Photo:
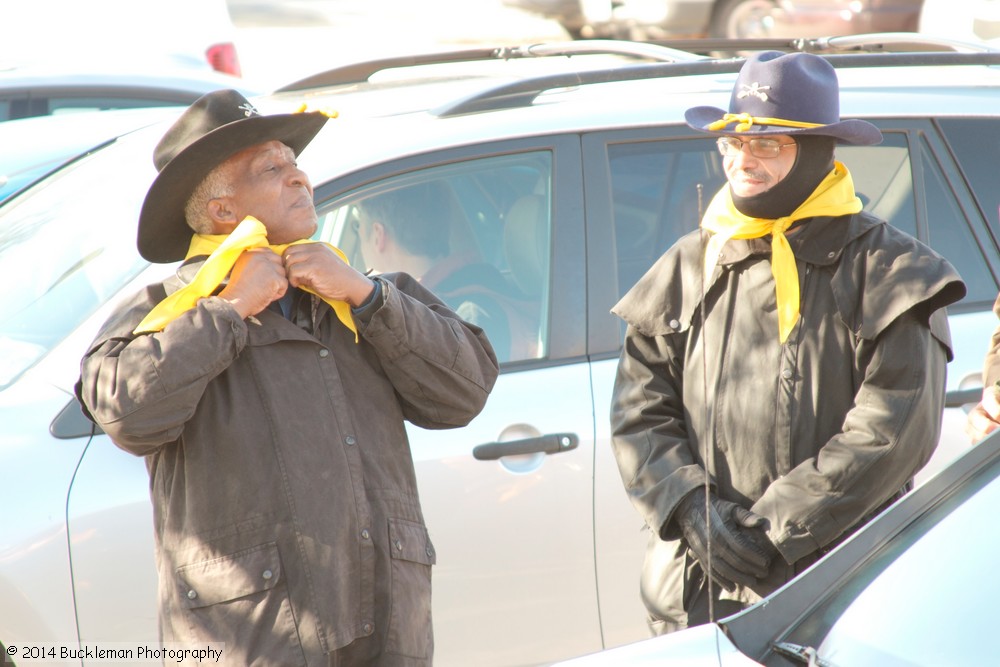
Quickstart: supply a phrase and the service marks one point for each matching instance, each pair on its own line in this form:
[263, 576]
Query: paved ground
[284, 40]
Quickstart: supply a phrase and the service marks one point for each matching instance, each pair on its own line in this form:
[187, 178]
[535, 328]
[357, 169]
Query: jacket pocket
[229, 577]
[239, 599]
[411, 555]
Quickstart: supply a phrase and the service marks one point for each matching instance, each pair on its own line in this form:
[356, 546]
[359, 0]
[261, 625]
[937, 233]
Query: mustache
[756, 174]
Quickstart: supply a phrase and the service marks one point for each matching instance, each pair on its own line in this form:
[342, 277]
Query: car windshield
[60, 268]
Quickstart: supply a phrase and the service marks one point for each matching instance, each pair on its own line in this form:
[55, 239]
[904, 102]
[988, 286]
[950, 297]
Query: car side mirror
[71, 422]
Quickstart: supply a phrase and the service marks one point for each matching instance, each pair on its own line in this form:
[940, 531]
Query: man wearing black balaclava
[783, 372]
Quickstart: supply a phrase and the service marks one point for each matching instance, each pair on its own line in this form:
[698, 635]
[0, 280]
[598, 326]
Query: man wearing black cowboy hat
[783, 372]
[266, 384]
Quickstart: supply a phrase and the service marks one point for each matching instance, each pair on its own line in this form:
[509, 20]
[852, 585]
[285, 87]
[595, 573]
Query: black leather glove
[741, 551]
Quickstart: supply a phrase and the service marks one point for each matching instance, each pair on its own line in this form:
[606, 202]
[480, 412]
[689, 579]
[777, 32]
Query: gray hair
[216, 184]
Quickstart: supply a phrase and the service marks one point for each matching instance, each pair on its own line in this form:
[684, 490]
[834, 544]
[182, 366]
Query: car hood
[701, 646]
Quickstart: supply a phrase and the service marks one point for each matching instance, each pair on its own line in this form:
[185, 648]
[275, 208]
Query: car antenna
[707, 450]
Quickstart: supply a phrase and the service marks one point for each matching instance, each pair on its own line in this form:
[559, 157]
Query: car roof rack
[523, 92]
[363, 71]
[876, 42]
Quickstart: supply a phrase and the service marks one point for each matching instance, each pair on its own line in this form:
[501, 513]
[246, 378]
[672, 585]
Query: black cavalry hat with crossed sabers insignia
[214, 128]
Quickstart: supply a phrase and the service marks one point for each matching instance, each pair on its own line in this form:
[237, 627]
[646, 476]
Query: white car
[187, 33]
[66, 56]
[570, 183]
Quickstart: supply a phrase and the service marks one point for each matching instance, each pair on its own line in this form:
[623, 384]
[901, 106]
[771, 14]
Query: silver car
[33, 147]
[570, 181]
[916, 586]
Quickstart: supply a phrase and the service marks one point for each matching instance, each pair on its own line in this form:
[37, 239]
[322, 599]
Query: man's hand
[316, 267]
[739, 555]
[257, 279]
[985, 417]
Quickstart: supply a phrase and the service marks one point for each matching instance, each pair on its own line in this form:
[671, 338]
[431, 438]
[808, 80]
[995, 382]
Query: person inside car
[266, 384]
[783, 370]
[411, 229]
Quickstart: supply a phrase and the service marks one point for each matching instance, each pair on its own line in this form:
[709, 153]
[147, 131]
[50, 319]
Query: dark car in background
[658, 19]
[570, 181]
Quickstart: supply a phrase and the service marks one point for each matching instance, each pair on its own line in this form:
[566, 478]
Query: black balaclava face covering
[812, 164]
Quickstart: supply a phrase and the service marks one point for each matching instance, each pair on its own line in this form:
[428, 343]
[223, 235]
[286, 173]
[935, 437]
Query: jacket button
[350, 440]
[192, 594]
[398, 545]
[787, 374]
[365, 534]
[324, 353]
[267, 574]
[675, 325]
[367, 628]
[430, 552]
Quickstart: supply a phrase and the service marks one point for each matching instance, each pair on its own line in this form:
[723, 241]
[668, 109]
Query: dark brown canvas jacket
[282, 482]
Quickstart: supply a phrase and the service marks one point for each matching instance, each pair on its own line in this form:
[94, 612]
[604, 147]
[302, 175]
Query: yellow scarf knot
[833, 197]
[223, 250]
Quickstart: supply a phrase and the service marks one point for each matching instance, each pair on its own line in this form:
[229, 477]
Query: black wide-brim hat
[798, 87]
[214, 128]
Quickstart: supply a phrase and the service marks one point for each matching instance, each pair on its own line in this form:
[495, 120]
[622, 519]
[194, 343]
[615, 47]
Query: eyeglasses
[761, 148]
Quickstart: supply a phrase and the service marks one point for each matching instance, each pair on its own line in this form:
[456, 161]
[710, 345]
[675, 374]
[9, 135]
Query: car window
[476, 233]
[659, 189]
[883, 179]
[976, 144]
[61, 270]
[885, 613]
[949, 234]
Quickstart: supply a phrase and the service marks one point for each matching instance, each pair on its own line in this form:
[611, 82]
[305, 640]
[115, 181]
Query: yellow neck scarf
[223, 251]
[834, 196]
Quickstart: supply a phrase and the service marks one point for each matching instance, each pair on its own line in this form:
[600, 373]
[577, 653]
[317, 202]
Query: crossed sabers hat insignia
[755, 90]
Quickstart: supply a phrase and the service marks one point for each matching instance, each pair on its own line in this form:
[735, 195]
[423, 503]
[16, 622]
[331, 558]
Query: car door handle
[552, 443]
[960, 397]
